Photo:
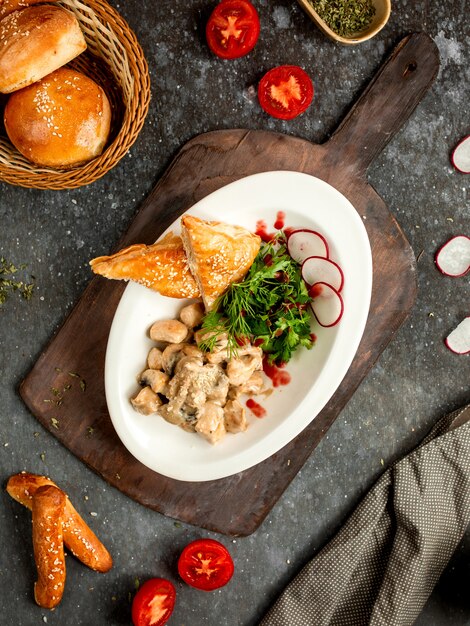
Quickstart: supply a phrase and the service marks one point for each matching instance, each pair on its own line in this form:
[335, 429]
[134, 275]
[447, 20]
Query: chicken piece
[254, 385]
[240, 369]
[203, 335]
[207, 382]
[219, 391]
[189, 389]
[191, 350]
[234, 417]
[146, 401]
[218, 356]
[192, 314]
[177, 417]
[210, 423]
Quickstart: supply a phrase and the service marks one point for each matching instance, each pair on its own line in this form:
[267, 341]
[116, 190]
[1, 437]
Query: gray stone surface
[415, 381]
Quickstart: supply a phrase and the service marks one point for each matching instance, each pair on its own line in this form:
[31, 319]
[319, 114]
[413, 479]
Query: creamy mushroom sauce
[198, 391]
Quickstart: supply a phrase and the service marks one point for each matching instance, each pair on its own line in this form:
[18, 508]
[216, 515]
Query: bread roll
[8, 6]
[36, 41]
[61, 121]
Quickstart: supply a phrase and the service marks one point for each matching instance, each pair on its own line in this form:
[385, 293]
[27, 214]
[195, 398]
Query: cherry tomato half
[153, 603]
[233, 29]
[205, 564]
[285, 91]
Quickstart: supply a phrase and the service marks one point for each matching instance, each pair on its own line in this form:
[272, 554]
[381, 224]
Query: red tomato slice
[233, 29]
[285, 91]
[205, 564]
[153, 603]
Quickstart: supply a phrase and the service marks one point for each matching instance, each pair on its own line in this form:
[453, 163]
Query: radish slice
[317, 269]
[304, 242]
[461, 156]
[327, 304]
[453, 259]
[459, 339]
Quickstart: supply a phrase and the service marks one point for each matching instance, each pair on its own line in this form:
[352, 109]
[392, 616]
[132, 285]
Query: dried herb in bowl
[345, 17]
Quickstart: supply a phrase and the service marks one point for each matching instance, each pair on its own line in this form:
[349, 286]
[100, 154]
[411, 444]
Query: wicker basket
[115, 60]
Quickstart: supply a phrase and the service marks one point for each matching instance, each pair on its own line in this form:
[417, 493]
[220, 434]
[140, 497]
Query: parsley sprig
[269, 308]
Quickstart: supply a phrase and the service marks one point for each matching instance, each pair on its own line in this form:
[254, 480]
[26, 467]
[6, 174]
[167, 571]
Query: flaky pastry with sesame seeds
[162, 267]
[218, 254]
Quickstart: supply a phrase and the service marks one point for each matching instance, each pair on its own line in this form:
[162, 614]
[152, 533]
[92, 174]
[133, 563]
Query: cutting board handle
[389, 100]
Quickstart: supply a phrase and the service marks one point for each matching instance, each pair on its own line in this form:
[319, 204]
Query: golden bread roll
[61, 121]
[162, 267]
[36, 41]
[218, 254]
[8, 6]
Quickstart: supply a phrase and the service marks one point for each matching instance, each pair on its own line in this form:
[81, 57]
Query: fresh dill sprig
[269, 308]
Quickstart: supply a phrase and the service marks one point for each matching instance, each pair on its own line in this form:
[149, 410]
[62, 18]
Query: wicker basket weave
[115, 60]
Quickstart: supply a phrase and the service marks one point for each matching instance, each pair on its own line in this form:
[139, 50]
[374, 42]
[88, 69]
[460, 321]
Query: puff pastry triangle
[218, 254]
[162, 267]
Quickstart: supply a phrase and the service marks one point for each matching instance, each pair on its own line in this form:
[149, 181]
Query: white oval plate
[316, 374]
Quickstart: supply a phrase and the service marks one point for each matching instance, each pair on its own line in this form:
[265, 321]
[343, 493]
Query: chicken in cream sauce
[198, 391]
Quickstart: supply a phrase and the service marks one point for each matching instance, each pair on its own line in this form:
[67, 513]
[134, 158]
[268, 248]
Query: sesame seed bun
[36, 41]
[61, 121]
[8, 6]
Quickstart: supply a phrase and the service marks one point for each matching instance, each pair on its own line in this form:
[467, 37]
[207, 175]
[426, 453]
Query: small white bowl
[382, 13]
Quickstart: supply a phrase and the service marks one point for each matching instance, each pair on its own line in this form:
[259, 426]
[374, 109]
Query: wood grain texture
[237, 505]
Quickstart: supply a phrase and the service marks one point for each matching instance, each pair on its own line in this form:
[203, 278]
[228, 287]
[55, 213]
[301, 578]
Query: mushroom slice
[170, 331]
[184, 361]
[171, 355]
[146, 401]
[210, 423]
[154, 359]
[235, 420]
[154, 379]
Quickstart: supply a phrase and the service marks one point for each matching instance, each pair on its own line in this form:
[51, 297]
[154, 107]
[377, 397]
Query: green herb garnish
[345, 17]
[269, 308]
[8, 284]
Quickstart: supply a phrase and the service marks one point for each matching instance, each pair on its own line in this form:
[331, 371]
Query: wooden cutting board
[78, 415]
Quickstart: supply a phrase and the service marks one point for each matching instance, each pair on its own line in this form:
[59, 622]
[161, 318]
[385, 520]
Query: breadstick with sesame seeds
[48, 506]
[78, 536]
[162, 267]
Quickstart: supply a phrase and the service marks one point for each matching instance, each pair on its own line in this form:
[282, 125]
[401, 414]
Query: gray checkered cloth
[383, 564]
